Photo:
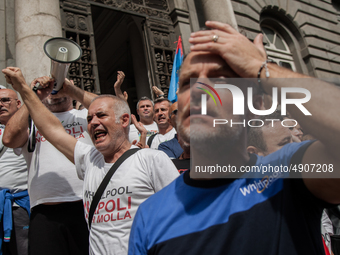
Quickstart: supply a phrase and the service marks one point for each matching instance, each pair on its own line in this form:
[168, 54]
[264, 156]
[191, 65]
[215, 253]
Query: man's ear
[18, 103]
[125, 120]
[253, 150]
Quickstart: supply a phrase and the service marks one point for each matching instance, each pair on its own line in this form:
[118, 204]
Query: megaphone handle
[36, 87]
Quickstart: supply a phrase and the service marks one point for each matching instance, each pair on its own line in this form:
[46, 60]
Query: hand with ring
[215, 38]
[243, 56]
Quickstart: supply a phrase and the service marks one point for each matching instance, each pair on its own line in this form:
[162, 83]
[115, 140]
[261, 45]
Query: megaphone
[62, 52]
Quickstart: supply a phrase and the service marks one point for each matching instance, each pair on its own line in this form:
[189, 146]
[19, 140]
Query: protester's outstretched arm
[118, 84]
[49, 125]
[84, 97]
[246, 58]
[16, 132]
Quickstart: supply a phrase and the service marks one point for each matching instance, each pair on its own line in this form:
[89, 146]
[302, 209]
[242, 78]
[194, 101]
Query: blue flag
[175, 72]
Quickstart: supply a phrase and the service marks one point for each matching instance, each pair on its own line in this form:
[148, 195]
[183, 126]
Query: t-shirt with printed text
[51, 176]
[138, 177]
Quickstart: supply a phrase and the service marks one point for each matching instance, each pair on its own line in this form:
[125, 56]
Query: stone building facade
[138, 36]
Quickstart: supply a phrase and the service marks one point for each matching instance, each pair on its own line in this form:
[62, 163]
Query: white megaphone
[62, 53]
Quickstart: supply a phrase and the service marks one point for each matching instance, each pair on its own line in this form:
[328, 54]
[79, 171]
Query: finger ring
[215, 38]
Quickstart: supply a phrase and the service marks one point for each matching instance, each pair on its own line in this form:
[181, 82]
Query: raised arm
[118, 84]
[49, 125]
[246, 58]
[16, 132]
[84, 97]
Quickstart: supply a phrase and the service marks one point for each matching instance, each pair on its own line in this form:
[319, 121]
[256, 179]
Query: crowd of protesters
[153, 201]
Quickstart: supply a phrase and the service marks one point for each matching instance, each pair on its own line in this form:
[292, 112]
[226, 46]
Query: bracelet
[161, 95]
[264, 64]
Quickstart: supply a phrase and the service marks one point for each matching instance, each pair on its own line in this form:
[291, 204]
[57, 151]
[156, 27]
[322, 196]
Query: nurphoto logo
[239, 102]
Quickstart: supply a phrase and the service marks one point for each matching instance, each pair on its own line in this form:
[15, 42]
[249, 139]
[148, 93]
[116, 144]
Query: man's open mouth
[161, 118]
[99, 135]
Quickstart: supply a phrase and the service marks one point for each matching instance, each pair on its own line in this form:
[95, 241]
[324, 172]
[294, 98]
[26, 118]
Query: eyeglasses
[174, 112]
[6, 100]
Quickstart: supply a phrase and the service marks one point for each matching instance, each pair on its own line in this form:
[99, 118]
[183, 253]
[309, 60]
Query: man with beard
[145, 113]
[266, 215]
[13, 185]
[57, 224]
[138, 177]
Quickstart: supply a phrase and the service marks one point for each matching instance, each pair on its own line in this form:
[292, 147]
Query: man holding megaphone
[57, 224]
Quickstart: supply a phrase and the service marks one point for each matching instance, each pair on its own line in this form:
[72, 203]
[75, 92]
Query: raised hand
[141, 129]
[243, 56]
[117, 85]
[44, 86]
[14, 77]
[157, 91]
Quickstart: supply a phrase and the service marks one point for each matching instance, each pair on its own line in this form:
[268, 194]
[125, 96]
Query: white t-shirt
[13, 169]
[159, 138]
[135, 135]
[138, 177]
[51, 176]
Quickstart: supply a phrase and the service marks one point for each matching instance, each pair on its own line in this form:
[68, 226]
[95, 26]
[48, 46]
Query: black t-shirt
[181, 164]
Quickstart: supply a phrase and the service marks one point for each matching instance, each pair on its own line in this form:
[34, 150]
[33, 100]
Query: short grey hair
[120, 107]
[143, 99]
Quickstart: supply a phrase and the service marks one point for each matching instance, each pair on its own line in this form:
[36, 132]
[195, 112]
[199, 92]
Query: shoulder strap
[31, 126]
[151, 139]
[106, 180]
[31, 136]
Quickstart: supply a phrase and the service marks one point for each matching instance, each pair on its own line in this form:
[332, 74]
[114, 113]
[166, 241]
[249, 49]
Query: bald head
[9, 104]
[8, 93]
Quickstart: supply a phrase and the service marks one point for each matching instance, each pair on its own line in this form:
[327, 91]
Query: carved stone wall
[77, 26]
[162, 50]
[152, 8]
[159, 38]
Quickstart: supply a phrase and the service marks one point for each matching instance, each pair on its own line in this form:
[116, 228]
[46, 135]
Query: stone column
[219, 10]
[35, 22]
[7, 36]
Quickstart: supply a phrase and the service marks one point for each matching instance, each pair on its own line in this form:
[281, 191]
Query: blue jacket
[6, 202]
